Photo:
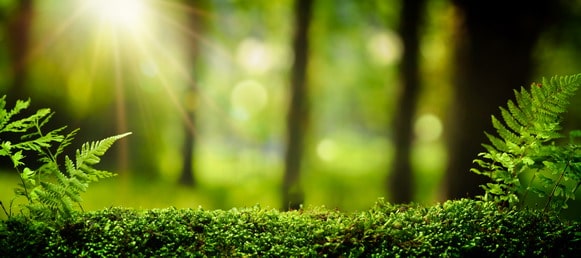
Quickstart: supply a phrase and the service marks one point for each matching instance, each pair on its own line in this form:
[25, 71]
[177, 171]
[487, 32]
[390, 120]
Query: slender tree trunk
[19, 27]
[494, 49]
[298, 114]
[400, 181]
[188, 167]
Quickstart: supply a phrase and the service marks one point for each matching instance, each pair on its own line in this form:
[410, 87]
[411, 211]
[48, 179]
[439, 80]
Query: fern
[525, 146]
[59, 196]
[51, 189]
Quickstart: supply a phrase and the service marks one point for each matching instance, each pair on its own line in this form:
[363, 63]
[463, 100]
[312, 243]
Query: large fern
[51, 189]
[526, 146]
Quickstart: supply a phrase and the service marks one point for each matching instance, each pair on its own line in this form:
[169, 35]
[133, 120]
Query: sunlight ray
[143, 47]
[207, 43]
[193, 34]
[123, 37]
[121, 110]
[52, 36]
[150, 43]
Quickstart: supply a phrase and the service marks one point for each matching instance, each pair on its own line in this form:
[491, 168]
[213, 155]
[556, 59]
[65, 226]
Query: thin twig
[24, 186]
[4, 208]
[556, 185]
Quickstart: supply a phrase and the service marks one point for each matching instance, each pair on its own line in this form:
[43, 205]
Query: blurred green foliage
[108, 79]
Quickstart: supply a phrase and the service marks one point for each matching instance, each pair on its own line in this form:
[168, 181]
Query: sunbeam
[123, 53]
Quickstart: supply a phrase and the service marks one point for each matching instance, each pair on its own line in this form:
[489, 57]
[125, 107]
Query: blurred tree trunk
[495, 42]
[400, 181]
[19, 27]
[187, 176]
[298, 113]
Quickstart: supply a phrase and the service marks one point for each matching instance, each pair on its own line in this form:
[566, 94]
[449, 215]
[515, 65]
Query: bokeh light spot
[327, 150]
[248, 98]
[384, 48]
[428, 128]
[254, 56]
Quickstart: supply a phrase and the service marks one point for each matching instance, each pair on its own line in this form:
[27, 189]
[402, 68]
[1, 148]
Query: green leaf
[27, 174]
[16, 158]
[528, 161]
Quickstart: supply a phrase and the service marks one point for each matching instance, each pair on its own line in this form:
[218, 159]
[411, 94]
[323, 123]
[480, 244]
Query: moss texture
[464, 228]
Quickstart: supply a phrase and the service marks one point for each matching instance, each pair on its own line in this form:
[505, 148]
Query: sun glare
[129, 14]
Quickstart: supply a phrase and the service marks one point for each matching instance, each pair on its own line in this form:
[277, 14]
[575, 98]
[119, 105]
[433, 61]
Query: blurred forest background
[282, 103]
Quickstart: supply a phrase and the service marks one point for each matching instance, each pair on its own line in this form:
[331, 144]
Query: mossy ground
[452, 229]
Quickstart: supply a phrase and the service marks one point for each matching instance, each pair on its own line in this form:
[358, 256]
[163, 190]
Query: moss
[454, 228]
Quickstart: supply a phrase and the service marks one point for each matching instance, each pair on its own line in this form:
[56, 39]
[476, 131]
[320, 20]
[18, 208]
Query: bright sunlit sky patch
[128, 14]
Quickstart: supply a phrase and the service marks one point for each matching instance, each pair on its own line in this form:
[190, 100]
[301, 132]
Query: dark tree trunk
[494, 49]
[188, 167]
[17, 36]
[400, 181]
[19, 27]
[298, 113]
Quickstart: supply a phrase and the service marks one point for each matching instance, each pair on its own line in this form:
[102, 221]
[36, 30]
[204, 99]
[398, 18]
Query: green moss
[454, 228]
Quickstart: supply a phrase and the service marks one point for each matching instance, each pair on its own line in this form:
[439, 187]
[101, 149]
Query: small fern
[526, 146]
[50, 189]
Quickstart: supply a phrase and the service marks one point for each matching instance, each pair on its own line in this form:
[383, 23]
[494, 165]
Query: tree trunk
[17, 34]
[188, 167]
[494, 49]
[19, 27]
[298, 113]
[400, 181]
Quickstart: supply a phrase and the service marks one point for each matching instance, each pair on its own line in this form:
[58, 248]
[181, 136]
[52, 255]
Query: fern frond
[77, 185]
[16, 159]
[511, 121]
[73, 194]
[518, 115]
[66, 141]
[48, 168]
[58, 198]
[498, 144]
[90, 153]
[5, 116]
[70, 167]
[503, 132]
[24, 124]
[49, 194]
[42, 142]
[62, 179]
[524, 102]
[525, 142]
[51, 189]
[44, 119]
